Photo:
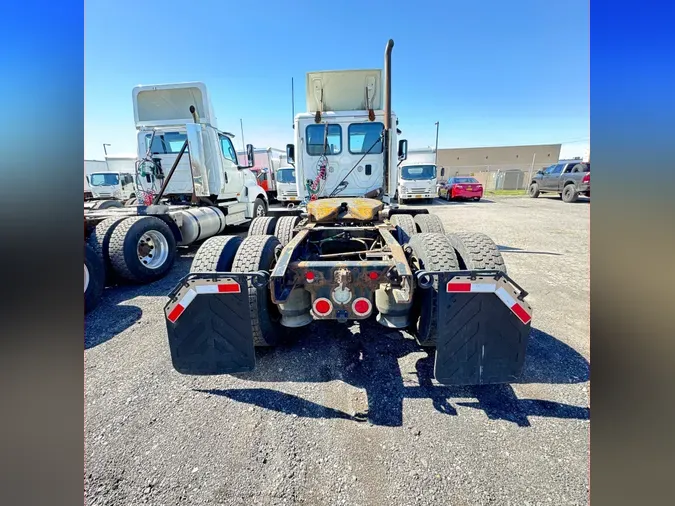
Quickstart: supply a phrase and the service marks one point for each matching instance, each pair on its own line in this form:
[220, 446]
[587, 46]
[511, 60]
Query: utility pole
[105, 150]
[243, 144]
[436, 150]
[293, 103]
[531, 169]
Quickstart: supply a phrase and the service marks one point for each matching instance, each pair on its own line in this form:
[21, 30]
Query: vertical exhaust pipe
[387, 112]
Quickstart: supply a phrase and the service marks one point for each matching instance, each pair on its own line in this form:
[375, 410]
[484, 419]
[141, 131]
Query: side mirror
[250, 156]
[290, 153]
[402, 149]
[540, 172]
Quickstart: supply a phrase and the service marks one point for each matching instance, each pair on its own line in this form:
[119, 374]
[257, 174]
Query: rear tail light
[322, 306]
[587, 178]
[362, 306]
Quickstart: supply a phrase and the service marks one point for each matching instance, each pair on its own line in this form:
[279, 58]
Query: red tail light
[323, 306]
[587, 178]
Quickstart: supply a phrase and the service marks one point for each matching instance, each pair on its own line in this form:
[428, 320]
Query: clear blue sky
[491, 72]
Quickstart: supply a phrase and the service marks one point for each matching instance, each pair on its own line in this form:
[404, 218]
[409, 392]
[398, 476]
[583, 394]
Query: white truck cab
[287, 183]
[418, 176]
[339, 140]
[174, 117]
[112, 185]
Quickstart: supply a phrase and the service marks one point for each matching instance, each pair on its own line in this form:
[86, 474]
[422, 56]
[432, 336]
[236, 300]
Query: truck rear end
[349, 258]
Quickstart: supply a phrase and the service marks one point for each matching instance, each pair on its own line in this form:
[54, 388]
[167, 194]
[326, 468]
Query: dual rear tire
[140, 249]
[441, 252]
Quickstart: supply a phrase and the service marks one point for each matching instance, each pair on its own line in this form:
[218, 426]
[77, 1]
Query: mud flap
[483, 328]
[208, 323]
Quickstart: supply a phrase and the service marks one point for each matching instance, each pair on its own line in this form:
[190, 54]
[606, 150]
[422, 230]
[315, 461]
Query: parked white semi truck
[418, 175]
[266, 162]
[190, 183]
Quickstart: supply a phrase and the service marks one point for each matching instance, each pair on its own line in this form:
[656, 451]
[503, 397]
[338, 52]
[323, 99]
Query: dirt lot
[349, 414]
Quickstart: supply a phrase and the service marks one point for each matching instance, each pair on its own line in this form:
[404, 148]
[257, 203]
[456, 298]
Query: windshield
[463, 180]
[286, 175]
[418, 172]
[104, 179]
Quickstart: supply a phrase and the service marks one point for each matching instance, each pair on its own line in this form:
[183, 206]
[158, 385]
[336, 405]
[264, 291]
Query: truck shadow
[369, 360]
[115, 314]
[509, 249]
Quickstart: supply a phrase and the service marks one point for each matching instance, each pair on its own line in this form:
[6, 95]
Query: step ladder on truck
[190, 186]
[349, 252]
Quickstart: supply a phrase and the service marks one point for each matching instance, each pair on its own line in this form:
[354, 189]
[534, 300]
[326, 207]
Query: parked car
[568, 179]
[461, 188]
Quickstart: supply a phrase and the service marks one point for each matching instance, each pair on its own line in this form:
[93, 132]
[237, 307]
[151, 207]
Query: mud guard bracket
[208, 323]
[483, 327]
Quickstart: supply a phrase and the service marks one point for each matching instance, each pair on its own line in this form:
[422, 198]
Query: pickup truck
[568, 179]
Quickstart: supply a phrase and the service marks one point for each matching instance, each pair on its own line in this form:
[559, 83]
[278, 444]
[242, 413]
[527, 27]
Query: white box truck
[417, 176]
[287, 185]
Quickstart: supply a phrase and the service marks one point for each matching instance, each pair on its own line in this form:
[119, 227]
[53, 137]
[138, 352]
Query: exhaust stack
[387, 112]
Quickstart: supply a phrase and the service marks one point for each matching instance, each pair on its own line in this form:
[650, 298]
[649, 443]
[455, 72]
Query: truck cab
[339, 139]
[175, 118]
[112, 185]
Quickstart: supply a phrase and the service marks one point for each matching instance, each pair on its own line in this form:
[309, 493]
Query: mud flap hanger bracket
[425, 279]
[259, 279]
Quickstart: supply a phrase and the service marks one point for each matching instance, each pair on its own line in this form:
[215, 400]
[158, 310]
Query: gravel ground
[350, 414]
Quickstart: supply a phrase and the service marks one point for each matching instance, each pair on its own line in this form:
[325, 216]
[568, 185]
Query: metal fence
[496, 177]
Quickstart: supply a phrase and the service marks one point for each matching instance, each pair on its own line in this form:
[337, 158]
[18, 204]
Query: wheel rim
[152, 249]
[86, 278]
[260, 211]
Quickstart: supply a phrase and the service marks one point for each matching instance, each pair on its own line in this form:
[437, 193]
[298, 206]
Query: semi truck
[349, 253]
[265, 166]
[190, 182]
[418, 176]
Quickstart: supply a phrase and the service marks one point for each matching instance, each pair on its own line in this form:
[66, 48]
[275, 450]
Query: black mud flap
[208, 323]
[483, 328]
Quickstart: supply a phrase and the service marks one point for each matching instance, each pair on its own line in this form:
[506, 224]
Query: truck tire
[570, 194]
[259, 208]
[431, 252]
[99, 241]
[108, 204]
[405, 227]
[133, 201]
[533, 190]
[284, 228]
[216, 254]
[262, 226]
[142, 249]
[429, 224]
[476, 251]
[258, 253]
[94, 278]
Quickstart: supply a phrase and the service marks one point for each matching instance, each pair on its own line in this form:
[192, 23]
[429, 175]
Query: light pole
[436, 150]
[105, 150]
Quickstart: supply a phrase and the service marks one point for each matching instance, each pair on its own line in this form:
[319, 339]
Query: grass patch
[506, 192]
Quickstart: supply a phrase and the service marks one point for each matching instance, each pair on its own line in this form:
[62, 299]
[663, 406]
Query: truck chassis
[451, 291]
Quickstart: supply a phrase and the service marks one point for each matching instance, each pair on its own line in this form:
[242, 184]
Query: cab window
[315, 135]
[227, 148]
[365, 138]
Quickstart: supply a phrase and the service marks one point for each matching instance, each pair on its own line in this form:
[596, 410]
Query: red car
[461, 188]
